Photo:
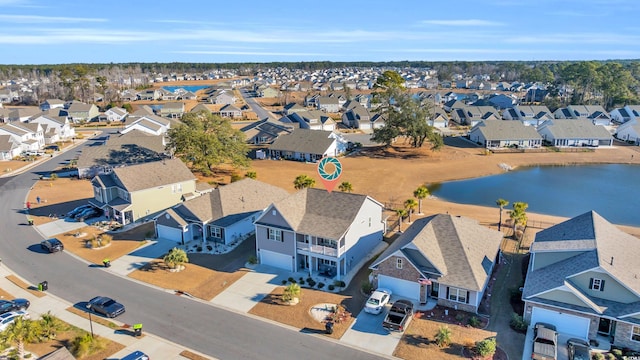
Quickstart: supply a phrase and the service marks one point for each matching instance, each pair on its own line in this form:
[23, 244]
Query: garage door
[576, 326]
[399, 287]
[276, 260]
[169, 233]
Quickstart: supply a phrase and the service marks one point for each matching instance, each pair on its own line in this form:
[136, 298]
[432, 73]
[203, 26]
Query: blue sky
[91, 31]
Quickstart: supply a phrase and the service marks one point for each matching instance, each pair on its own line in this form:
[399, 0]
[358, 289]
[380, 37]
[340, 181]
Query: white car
[377, 301]
[7, 319]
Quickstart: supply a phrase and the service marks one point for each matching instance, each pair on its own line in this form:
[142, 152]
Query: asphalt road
[194, 324]
[253, 104]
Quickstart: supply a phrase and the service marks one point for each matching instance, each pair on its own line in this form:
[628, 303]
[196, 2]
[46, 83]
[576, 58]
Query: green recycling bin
[137, 329]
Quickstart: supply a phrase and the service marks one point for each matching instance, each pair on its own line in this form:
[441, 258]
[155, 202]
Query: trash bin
[106, 262]
[328, 327]
[30, 222]
[43, 286]
[137, 329]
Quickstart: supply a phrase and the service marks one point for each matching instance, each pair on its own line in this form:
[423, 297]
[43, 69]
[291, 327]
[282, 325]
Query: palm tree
[49, 326]
[443, 336]
[401, 214]
[345, 186]
[175, 258]
[518, 215]
[501, 203]
[421, 193]
[410, 205]
[303, 181]
[292, 291]
[21, 331]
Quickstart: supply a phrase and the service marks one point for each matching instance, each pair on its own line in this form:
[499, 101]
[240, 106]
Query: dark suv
[13, 305]
[578, 349]
[545, 342]
[52, 245]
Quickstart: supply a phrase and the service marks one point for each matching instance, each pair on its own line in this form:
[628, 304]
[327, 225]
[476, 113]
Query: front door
[434, 289]
[604, 327]
[423, 293]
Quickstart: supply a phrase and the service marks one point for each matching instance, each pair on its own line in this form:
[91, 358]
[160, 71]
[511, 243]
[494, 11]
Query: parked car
[545, 342]
[578, 349]
[377, 301]
[78, 210]
[8, 318]
[89, 214]
[136, 355]
[398, 316]
[52, 245]
[105, 306]
[13, 305]
[83, 212]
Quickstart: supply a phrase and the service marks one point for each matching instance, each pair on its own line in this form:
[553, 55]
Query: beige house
[135, 192]
[81, 112]
[445, 258]
[583, 278]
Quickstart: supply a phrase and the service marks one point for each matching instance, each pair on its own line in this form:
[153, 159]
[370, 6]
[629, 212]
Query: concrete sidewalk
[155, 347]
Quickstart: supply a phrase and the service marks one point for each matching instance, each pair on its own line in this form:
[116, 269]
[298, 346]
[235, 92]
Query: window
[398, 263]
[275, 235]
[635, 333]
[216, 232]
[458, 295]
[596, 284]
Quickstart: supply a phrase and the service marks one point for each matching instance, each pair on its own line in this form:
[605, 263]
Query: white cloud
[257, 53]
[33, 19]
[463, 22]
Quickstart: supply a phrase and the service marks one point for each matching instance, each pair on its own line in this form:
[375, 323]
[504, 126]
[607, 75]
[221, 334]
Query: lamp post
[90, 320]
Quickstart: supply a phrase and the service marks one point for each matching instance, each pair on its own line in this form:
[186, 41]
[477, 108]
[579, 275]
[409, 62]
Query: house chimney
[612, 261]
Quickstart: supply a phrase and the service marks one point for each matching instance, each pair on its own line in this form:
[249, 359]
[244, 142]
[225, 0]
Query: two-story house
[55, 127]
[319, 232]
[81, 112]
[29, 136]
[135, 192]
[116, 114]
[583, 278]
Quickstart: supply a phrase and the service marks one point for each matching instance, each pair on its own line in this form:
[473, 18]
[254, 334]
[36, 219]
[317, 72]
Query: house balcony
[319, 249]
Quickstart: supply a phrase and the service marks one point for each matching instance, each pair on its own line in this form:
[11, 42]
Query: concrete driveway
[563, 352]
[126, 264]
[367, 332]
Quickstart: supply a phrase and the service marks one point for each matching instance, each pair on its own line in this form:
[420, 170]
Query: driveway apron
[367, 332]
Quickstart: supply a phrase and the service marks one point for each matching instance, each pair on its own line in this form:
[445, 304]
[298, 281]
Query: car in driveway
[52, 245]
[72, 214]
[545, 342]
[578, 349]
[106, 306]
[136, 355]
[377, 301]
[14, 305]
[8, 318]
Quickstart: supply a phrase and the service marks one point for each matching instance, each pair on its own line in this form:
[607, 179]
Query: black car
[78, 210]
[578, 349]
[105, 306]
[52, 245]
[13, 305]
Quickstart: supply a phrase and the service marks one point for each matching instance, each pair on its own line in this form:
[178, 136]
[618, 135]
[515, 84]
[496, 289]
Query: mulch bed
[452, 316]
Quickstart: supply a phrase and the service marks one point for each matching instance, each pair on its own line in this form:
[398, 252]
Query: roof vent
[611, 261]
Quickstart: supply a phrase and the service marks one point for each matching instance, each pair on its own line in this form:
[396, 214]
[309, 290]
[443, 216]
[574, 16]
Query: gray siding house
[578, 132]
[501, 134]
[582, 278]
[319, 232]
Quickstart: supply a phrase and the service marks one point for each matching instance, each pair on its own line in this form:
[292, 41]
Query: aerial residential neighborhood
[333, 180]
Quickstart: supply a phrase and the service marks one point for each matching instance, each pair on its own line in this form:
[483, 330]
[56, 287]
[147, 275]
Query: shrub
[331, 287]
[84, 345]
[291, 280]
[367, 287]
[311, 282]
[105, 239]
[459, 317]
[284, 282]
[610, 356]
[252, 260]
[486, 347]
[54, 176]
[443, 336]
[291, 292]
[617, 353]
[301, 281]
[597, 356]
[251, 174]
[518, 324]
[236, 177]
[320, 285]
[339, 283]
[474, 322]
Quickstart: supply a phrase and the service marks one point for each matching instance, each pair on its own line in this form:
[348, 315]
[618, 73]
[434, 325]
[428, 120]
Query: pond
[610, 190]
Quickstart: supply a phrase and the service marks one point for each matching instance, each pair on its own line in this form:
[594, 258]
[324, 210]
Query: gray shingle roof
[506, 130]
[457, 247]
[575, 129]
[304, 141]
[231, 203]
[320, 213]
[132, 147]
[153, 174]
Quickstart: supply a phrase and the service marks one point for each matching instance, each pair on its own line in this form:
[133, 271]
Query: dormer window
[596, 284]
[399, 263]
